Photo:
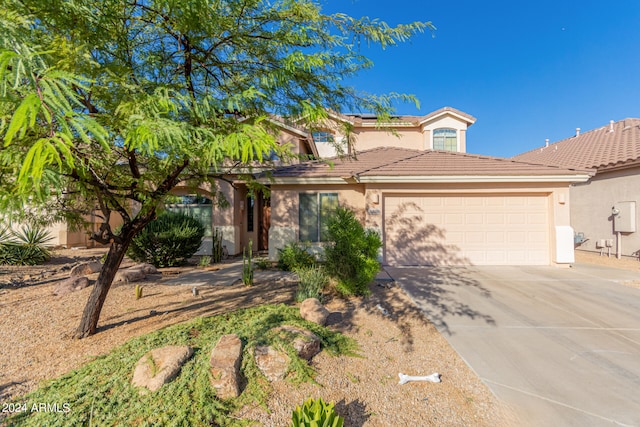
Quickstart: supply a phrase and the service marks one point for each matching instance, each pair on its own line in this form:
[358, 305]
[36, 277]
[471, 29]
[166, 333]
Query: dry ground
[36, 344]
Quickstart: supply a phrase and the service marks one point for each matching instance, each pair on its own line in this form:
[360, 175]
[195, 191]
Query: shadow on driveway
[435, 289]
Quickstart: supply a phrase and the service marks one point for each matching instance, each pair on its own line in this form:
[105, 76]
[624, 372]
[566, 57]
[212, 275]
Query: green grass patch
[100, 393]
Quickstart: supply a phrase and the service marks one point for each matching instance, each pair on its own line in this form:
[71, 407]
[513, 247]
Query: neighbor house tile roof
[393, 161]
[600, 148]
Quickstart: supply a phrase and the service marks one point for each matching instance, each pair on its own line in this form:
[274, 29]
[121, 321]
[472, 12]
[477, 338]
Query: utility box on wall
[625, 220]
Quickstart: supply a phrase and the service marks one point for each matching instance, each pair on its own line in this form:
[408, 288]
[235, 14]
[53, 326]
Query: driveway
[560, 346]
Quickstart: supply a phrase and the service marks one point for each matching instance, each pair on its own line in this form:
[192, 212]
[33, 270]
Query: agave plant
[28, 246]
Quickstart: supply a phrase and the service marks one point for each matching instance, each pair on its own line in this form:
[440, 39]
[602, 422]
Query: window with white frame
[445, 139]
[313, 212]
[323, 136]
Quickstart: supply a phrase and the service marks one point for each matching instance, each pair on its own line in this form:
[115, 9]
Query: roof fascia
[428, 118]
[449, 179]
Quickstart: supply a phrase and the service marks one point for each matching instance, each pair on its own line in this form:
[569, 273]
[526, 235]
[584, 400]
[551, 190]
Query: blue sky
[526, 70]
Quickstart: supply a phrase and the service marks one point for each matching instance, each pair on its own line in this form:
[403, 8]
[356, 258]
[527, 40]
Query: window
[249, 207]
[313, 213]
[320, 137]
[445, 139]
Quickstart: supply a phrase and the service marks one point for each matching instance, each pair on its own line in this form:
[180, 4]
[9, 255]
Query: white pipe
[618, 245]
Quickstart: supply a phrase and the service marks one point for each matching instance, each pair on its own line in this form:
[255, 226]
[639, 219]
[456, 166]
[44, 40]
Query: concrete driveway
[560, 346]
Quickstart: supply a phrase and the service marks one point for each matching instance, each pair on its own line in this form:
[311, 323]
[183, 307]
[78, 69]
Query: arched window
[445, 139]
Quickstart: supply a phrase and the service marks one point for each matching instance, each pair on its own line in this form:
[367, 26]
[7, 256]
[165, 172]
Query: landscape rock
[271, 362]
[129, 275]
[225, 366]
[312, 310]
[145, 268]
[159, 366]
[86, 268]
[71, 284]
[306, 343]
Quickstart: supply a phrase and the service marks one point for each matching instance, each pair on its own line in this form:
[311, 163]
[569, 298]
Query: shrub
[312, 281]
[25, 247]
[316, 413]
[167, 241]
[295, 256]
[351, 254]
[262, 263]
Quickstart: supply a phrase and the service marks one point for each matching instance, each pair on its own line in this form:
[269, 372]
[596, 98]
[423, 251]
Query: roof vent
[546, 142]
[577, 131]
[610, 125]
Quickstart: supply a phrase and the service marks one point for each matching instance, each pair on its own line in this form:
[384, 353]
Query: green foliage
[351, 255]
[312, 281]
[102, 390]
[295, 256]
[316, 413]
[262, 263]
[247, 265]
[204, 261]
[28, 246]
[167, 241]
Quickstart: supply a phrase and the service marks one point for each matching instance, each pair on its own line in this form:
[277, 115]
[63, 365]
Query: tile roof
[600, 148]
[393, 161]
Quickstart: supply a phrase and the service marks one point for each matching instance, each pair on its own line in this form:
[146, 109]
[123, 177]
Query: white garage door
[466, 230]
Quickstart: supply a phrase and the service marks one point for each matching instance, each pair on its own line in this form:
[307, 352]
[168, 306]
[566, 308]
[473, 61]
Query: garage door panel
[455, 230]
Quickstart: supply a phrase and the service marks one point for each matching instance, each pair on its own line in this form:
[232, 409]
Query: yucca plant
[316, 413]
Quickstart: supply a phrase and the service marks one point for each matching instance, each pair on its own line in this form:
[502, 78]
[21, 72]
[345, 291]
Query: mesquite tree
[106, 105]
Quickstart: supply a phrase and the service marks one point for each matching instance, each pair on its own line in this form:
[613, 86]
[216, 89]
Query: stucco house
[604, 209]
[431, 202]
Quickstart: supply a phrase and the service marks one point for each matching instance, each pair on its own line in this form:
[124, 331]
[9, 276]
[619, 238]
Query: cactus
[216, 250]
[138, 291]
[247, 265]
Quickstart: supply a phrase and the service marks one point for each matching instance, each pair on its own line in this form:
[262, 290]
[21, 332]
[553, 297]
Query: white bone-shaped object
[433, 378]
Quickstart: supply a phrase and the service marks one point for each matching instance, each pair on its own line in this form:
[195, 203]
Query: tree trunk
[92, 309]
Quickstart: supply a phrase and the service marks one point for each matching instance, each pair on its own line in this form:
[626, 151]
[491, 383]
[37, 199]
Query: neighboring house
[604, 210]
[431, 207]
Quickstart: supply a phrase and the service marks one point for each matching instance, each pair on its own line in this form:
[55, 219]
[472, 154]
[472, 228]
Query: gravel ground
[36, 329]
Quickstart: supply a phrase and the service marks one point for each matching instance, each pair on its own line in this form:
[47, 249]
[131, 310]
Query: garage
[466, 229]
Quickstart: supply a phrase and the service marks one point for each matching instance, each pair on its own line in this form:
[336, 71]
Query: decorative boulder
[159, 366]
[313, 311]
[86, 268]
[225, 366]
[145, 268]
[71, 284]
[306, 343]
[129, 275]
[271, 362]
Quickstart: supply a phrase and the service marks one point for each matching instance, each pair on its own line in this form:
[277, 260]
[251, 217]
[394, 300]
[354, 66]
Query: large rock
[306, 343]
[129, 275]
[159, 366]
[71, 284]
[145, 268]
[313, 311]
[86, 268]
[271, 362]
[225, 366]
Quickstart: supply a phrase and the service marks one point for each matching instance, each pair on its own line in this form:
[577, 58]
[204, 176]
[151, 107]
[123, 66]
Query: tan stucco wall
[591, 205]
[367, 138]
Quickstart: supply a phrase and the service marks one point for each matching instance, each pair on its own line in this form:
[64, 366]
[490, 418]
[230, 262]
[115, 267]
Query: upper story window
[323, 136]
[445, 139]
